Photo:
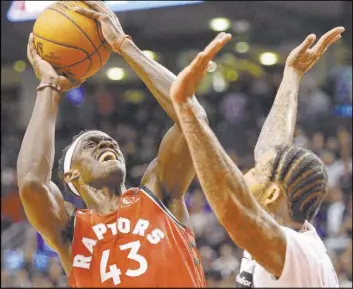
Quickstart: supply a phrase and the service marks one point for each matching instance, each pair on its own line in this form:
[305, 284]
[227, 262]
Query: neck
[103, 201]
[287, 222]
[279, 211]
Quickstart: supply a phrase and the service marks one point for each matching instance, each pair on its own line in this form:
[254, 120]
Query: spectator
[226, 264]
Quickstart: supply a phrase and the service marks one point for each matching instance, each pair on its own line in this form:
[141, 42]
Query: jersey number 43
[114, 272]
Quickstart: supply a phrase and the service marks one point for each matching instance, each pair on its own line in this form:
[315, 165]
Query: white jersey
[306, 264]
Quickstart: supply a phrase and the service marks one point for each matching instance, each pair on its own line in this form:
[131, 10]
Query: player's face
[99, 161]
[257, 183]
[258, 178]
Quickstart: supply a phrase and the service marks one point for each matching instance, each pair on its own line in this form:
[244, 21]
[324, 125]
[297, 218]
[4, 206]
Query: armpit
[67, 233]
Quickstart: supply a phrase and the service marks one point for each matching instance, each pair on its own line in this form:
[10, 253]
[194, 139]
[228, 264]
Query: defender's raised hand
[44, 71]
[189, 79]
[111, 28]
[302, 58]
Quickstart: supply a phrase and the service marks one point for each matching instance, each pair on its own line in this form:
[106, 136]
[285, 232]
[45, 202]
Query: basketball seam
[88, 56]
[103, 41]
[69, 46]
[97, 26]
[82, 31]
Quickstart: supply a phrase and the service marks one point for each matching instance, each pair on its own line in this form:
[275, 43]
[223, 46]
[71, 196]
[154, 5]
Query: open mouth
[107, 156]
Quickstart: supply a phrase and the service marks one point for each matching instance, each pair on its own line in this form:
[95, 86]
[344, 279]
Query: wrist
[126, 46]
[121, 42]
[50, 96]
[52, 83]
[292, 74]
[49, 79]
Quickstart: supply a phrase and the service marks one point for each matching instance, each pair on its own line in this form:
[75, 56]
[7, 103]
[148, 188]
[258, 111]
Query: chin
[111, 173]
[116, 173]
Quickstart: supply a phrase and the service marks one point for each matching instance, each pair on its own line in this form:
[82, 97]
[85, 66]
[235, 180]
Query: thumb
[306, 43]
[67, 84]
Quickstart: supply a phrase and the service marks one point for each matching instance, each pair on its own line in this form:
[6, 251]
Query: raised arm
[171, 173]
[42, 201]
[157, 78]
[249, 226]
[279, 126]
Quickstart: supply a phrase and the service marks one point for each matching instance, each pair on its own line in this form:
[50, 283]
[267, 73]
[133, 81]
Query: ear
[273, 194]
[71, 175]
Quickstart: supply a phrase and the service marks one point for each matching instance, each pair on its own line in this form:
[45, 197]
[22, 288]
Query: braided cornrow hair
[304, 178]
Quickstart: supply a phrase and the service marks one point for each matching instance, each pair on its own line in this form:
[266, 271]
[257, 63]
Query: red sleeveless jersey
[140, 244]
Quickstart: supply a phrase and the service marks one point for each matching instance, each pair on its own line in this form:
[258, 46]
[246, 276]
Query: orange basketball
[72, 43]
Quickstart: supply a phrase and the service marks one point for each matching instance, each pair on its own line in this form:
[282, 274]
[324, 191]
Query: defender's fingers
[322, 44]
[305, 45]
[203, 58]
[331, 42]
[215, 46]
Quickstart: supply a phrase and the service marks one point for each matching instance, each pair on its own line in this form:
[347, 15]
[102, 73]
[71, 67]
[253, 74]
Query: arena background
[237, 97]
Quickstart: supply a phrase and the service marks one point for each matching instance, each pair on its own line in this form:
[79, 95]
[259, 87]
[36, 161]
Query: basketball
[72, 43]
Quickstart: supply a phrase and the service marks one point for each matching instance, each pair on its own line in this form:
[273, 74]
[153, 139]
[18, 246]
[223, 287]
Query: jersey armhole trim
[162, 206]
[73, 221]
[73, 218]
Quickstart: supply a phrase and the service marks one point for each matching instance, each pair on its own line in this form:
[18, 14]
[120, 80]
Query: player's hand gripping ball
[71, 42]
[45, 72]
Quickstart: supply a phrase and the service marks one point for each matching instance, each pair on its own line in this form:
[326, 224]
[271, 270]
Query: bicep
[172, 172]
[45, 209]
[258, 233]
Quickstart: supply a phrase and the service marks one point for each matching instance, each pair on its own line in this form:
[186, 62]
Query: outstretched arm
[249, 226]
[279, 126]
[41, 198]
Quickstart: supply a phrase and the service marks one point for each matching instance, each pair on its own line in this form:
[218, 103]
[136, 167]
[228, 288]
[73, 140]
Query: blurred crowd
[131, 115]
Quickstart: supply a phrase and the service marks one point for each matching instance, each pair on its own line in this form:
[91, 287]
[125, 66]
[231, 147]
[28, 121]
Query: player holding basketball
[267, 211]
[126, 237]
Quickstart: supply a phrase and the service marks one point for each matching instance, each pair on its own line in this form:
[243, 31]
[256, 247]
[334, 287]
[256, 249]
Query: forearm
[36, 157]
[280, 124]
[223, 184]
[157, 78]
[221, 180]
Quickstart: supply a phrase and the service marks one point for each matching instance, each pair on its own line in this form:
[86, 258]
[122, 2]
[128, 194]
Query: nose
[105, 144]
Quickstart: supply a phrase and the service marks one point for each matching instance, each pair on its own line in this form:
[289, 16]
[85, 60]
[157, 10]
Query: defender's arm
[279, 126]
[280, 123]
[249, 226]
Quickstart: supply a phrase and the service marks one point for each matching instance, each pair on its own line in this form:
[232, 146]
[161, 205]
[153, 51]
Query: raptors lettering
[123, 226]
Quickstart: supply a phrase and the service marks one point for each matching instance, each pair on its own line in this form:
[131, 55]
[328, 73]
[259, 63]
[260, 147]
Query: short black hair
[61, 160]
[304, 177]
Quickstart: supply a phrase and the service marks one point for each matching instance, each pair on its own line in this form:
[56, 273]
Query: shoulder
[305, 240]
[305, 253]
[302, 244]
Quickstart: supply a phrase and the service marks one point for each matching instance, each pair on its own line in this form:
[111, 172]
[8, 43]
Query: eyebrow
[97, 138]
